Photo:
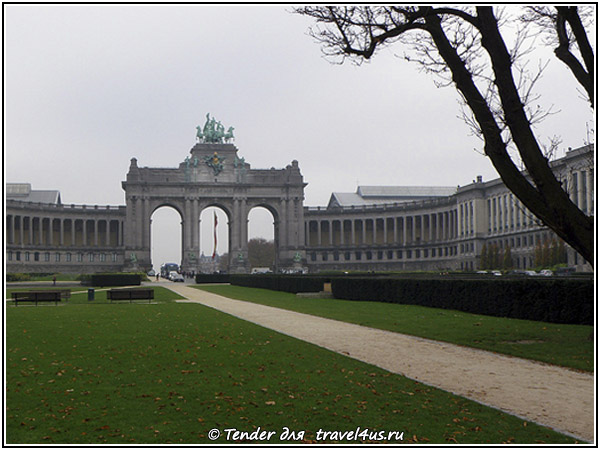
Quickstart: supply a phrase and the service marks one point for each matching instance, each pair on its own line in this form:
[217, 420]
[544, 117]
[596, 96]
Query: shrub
[212, 278]
[553, 300]
[286, 283]
[115, 279]
[17, 277]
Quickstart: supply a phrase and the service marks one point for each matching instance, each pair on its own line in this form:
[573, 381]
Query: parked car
[151, 273]
[546, 273]
[565, 271]
[496, 273]
[177, 277]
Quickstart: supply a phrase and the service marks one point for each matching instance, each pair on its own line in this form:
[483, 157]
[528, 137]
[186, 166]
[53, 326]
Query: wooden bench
[37, 296]
[130, 294]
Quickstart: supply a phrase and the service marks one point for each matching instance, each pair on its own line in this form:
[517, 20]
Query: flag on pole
[215, 234]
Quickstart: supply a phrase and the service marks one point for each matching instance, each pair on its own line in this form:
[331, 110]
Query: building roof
[23, 192]
[379, 195]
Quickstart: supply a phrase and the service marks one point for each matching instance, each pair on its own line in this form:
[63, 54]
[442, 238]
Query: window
[36, 256]
[57, 257]
[102, 257]
[47, 256]
[68, 257]
[10, 256]
[79, 257]
[26, 256]
[114, 257]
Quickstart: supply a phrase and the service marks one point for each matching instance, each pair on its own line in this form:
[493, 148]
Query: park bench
[37, 296]
[130, 294]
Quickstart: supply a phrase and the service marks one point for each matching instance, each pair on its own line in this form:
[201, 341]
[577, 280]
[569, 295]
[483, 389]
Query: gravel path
[553, 396]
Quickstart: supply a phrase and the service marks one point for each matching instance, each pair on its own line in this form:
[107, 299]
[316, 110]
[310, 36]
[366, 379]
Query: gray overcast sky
[88, 87]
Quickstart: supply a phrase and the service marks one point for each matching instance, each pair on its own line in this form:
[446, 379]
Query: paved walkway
[559, 398]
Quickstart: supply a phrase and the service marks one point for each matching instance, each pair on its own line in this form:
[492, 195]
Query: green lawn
[564, 345]
[170, 372]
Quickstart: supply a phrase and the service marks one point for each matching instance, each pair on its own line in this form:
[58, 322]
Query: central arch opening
[166, 237]
[262, 246]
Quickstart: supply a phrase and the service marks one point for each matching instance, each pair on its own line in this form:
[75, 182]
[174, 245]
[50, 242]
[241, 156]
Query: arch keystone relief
[214, 175]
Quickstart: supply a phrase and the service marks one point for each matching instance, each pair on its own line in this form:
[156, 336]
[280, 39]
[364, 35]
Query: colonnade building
[375, 228]
[438, 228]
[44, 235]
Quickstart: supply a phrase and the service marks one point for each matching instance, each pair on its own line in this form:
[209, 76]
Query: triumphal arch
[213, 174]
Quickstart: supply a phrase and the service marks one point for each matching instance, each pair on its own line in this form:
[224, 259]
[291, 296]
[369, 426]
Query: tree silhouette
[465, 46]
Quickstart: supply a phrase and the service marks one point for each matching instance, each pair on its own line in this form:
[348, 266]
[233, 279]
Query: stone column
[364, 231]
[581, 193]
[196, 226]
[40, 231]
[404, 228]
[11, 230]
[385, 235]
[95, 232]
[282, 224]
[430, 219]
[590, 191]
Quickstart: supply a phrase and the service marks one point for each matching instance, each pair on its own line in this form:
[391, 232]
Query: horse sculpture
[213, 132]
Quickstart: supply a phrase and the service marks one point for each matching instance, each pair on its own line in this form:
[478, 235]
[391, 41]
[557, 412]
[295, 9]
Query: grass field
[170, 373]
[564, 345]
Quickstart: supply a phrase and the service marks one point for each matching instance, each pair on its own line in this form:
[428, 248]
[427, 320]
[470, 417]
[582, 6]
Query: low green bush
[552, 300]
[212, 278]
[10, 277]
[285, 283]
[115, 279]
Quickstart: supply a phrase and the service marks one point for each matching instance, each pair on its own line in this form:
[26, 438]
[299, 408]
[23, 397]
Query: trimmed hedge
[274, 282]
[569, 301]
[212, 278]
[115, 279]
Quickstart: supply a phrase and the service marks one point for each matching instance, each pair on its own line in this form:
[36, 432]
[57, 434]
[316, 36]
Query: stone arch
[156, 208]
[234, 188]
[274, 223]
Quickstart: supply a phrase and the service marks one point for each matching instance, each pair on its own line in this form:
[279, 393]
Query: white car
[177, 277]
[546, 273]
